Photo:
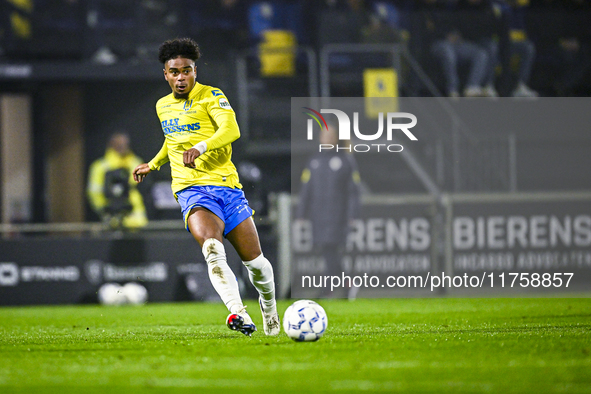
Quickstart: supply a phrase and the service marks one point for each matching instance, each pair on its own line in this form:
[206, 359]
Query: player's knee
[213, 250]
[259, 266]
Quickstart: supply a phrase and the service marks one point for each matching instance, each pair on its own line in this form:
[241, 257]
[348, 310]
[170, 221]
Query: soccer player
[199, 127]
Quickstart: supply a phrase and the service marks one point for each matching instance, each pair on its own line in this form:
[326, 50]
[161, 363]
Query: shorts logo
[224, 103]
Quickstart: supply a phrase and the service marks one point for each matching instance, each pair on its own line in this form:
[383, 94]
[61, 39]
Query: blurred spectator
[112, 27]
[574, 46]
[112, 193]
[385, 25]
[562, 33]
[383, 28]
[520, 46]
[330, 199]
[441, 34]
[480, 22]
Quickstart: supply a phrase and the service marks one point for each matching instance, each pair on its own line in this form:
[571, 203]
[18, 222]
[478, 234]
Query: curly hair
[179, 47]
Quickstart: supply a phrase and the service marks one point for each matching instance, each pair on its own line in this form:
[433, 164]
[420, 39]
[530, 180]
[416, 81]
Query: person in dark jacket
[574, 46]
[520, 46]
[482, 22]
[443, 37]
[329, 198]
[562, 34]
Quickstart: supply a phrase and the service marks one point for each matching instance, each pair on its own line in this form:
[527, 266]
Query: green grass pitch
[439, 345]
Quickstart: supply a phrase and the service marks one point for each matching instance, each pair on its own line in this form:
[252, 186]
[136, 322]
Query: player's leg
[245, 239]
[207, 228]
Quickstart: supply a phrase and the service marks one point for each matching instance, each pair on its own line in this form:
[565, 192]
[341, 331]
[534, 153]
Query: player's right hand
[140, 172]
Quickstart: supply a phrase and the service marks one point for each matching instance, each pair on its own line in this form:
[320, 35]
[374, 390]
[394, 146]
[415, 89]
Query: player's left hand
[189, 157]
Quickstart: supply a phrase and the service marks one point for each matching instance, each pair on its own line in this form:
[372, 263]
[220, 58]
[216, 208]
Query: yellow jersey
[206, 115]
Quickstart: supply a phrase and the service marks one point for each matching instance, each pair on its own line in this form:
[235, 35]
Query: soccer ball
[135, 293]
[111, 294]
[115, 294]
[305, 321]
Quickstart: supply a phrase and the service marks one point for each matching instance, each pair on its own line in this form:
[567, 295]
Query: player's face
[181, 76]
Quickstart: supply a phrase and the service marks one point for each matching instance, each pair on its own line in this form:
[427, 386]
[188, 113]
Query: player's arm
[144, 169]
[227, 132]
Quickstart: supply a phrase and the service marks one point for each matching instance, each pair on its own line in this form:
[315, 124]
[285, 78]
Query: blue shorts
[228, 204]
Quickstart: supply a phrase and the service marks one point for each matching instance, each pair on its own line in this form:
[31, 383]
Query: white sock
[260, 272]
[221, 276]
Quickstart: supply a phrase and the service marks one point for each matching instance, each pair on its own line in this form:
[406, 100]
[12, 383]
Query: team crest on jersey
[224, 103]
[188, 104]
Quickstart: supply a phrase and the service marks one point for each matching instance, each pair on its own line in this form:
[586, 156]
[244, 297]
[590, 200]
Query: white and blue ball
[111, 294]
[114, 294]
[135, 293]
[305, 321]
